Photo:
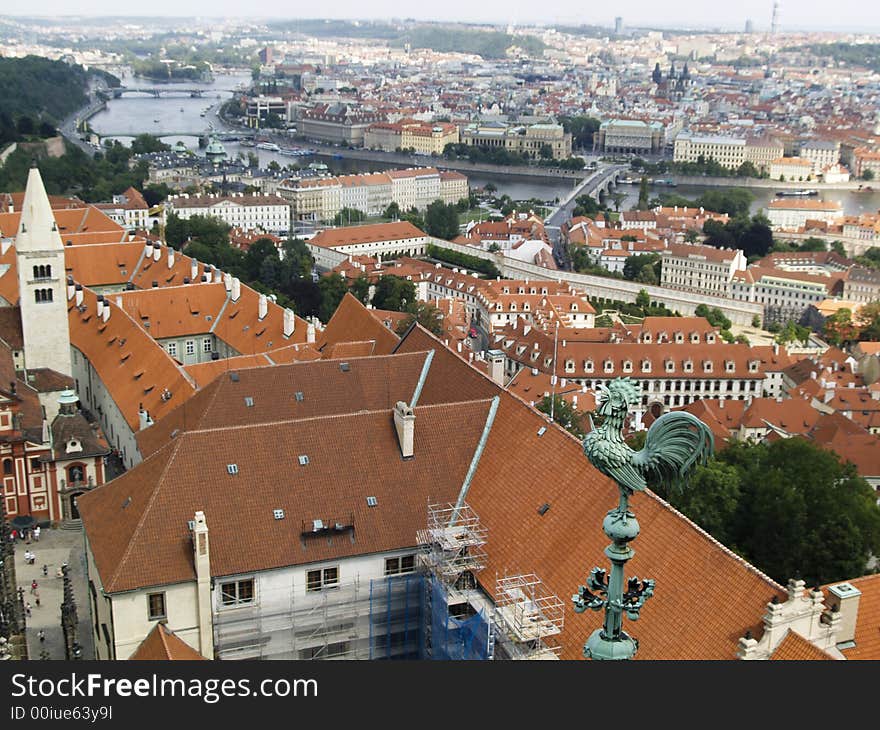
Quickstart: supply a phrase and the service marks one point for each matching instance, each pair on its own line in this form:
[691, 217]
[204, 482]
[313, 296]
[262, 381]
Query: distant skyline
[841, 16]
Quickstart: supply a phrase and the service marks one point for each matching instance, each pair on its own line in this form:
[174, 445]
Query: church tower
[41, 282]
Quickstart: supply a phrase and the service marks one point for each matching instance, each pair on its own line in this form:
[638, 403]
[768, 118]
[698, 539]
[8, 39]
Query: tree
[563, 414]
[618, 199]
[868, 174]
[546, 152]
[838, 248]
[156, 193]
[258, 252]
[747, 169]
[733, 201]
[394, 293]
[756, 321]
[146, 143]
[691, 235]
[643, 194]
[392, 211]
[347, 216]
[869, 321]
[814, 244]
[360, 287]
[643, 268]
[333, 288]
[840, 329]
[426, 315]
[643, 299]
[441, 220]
[793, 332]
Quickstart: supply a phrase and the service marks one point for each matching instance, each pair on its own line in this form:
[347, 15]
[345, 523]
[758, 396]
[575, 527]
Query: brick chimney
[405, 424]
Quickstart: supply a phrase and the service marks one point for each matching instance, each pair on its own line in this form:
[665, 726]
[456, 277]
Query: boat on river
[801, 193]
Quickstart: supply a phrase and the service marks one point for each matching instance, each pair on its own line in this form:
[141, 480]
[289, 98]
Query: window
[172, 349]
[237, 592]
[7, 466]
[396, 566]
[36, 465]
[42, 295]
[207, 345]
[322, 579]
[156, 606]
[190, 347]
[627, 366]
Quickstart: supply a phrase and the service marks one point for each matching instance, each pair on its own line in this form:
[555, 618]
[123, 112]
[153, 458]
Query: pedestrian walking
[37, 530]
[34, 585]
[37, 600]
[41, 635]
[45, 569]
[27, 609]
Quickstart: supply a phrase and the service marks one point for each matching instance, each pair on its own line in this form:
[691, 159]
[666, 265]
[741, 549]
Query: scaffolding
[527, 615]
[457, 616]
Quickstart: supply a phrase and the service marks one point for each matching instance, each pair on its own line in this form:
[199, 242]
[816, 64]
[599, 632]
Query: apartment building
[698, 268]
[339, 123]
[791, 169]
[269, 213]
[793, 213]
[726, 151]
[822, 154]
[332, 246]
[129, 210]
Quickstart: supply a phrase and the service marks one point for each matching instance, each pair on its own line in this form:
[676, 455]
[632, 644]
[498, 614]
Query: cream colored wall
[131, 618]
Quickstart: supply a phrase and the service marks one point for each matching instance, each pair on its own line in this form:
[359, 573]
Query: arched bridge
[167, 90]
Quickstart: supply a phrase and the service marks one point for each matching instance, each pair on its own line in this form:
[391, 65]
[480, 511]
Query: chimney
[289, 322]
[496, 366]
[170, 257]
[843, 599]
[71, 288]
[148, 250]
[202, 562]
[157, 252]
[194, 270]
[106, 313]
[144, 419]
[310, 333]
[100, 305]
[262, 307]
[218, 276]
[526, 328]
[721, 403]
[405, 424]
[829, 394]
[78, 295]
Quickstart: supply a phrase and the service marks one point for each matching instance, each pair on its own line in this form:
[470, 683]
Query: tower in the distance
[774, 23]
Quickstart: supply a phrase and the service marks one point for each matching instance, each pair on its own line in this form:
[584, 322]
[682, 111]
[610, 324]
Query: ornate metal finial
[674, 444]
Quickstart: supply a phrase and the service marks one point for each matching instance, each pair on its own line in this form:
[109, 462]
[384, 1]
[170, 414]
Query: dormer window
[535, 355]
[574, 307]
[753, 366]
[569, 366]
[688, 366]
[608, 366]
[710, 338]
[505, 290]
[513, 306]
[670, 366]
[547, 361]
[627, 366]
[526, 307]
[646, 366]
[646, 337]
[679, 338]
[73, 445]
[707, 366]
[695, 338]
[729, 366]
[588, 366]
[520, 350]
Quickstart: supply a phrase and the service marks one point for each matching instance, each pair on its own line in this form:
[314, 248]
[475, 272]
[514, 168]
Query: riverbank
[754, 182]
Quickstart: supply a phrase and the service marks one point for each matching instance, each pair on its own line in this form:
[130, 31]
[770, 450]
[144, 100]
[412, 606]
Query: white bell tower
[42, 282]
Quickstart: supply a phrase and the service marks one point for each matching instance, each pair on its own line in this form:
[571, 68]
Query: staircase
[72, 525]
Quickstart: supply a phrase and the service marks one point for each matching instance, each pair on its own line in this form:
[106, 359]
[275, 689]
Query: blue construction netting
[454, 638]
[396, 608]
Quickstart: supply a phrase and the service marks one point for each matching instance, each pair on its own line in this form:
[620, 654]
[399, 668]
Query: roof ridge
[153, 496]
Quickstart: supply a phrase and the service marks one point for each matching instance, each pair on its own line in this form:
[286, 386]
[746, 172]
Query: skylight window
[372, 501]
[248, 401]
[298, 395]
[303, 459]
[232, 469]
[279, 514]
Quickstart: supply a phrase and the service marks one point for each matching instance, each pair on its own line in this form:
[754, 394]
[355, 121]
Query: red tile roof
[161, 644]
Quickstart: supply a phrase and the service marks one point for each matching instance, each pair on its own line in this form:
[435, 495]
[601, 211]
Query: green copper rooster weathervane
[674, 444]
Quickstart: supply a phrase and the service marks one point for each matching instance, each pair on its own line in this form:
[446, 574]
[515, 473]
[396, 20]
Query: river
[172, 114]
